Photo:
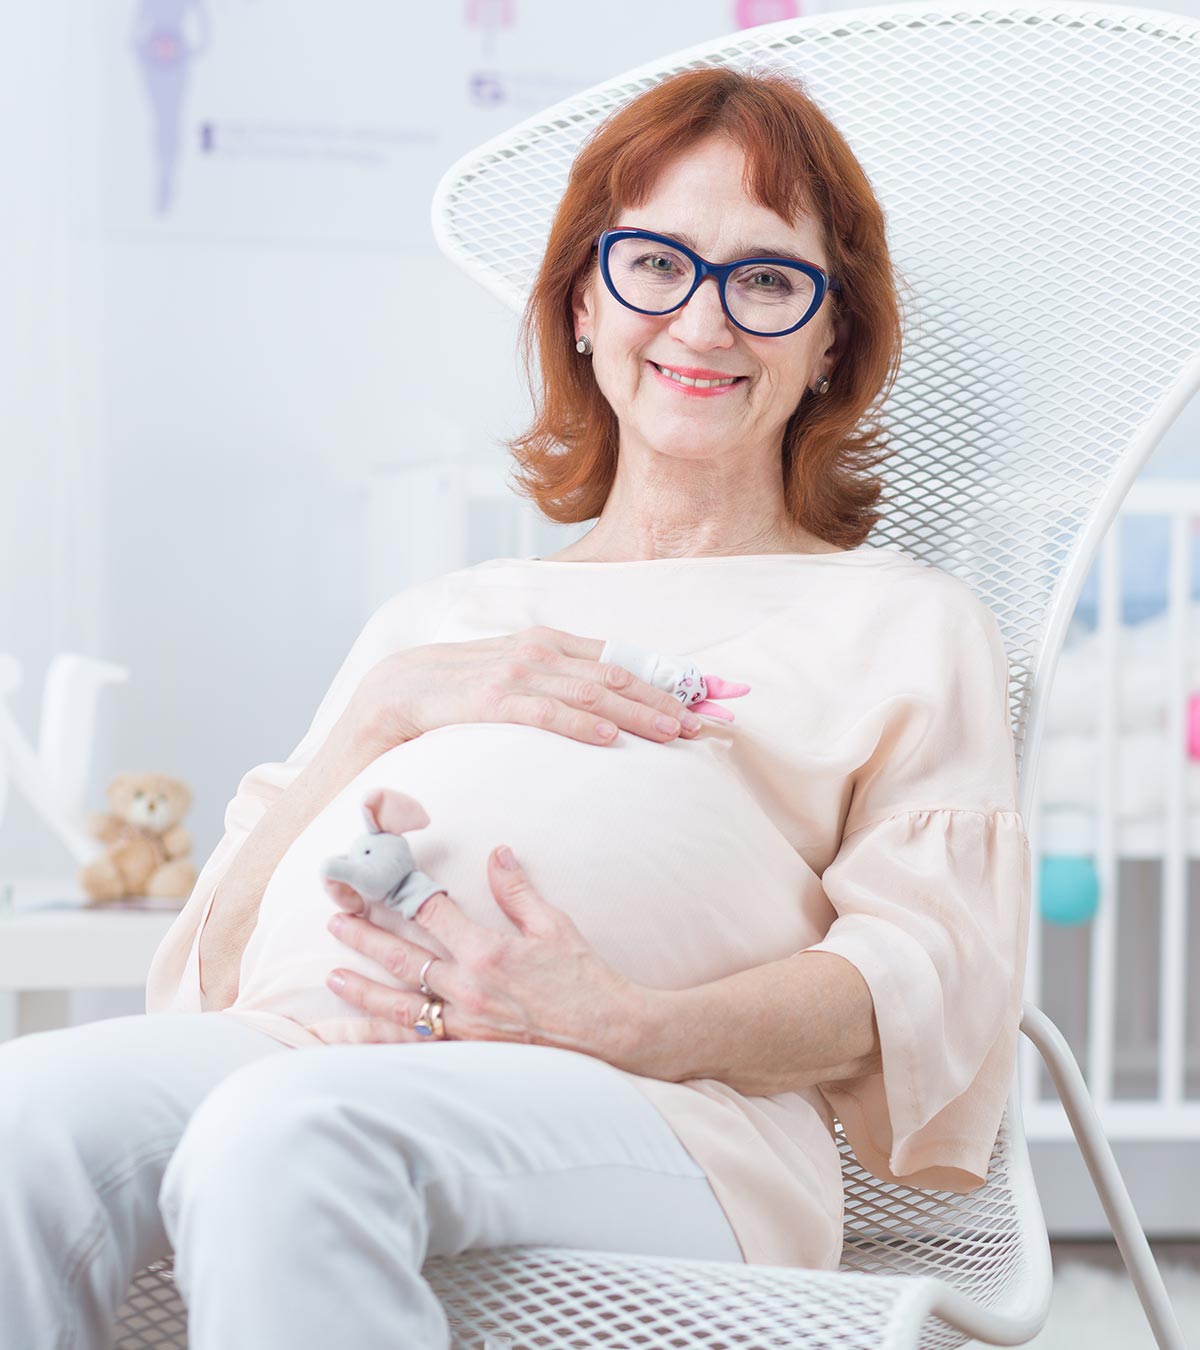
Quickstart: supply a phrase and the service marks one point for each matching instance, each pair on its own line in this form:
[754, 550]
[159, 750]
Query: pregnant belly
[659, 854]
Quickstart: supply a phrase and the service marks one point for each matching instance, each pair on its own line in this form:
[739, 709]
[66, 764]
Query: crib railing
[1161, 1052]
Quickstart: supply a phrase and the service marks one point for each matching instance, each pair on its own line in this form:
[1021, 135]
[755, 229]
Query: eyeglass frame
[822, 281]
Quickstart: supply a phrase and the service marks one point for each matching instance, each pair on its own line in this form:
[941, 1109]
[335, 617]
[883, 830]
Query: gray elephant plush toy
[379, 865]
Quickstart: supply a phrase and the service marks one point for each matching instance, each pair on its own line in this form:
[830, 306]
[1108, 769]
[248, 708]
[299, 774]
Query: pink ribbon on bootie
[713, 686]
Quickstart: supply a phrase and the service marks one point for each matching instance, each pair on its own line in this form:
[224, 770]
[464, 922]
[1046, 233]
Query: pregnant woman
[716, 937]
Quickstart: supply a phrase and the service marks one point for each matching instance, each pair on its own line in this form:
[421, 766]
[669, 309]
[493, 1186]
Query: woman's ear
[583, 309]
[836, 347]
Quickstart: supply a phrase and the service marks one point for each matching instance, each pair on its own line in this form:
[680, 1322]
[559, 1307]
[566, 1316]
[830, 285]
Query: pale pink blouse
[863, 802]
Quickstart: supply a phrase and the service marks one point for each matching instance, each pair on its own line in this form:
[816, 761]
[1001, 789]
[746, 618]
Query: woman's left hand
[543, 985]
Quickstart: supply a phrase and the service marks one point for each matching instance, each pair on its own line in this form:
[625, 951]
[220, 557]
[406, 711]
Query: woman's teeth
[683, 379]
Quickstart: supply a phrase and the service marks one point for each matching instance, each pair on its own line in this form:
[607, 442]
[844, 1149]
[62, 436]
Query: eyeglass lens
[767, 297]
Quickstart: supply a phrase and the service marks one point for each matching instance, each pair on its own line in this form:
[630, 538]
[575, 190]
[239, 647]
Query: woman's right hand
[542, 677]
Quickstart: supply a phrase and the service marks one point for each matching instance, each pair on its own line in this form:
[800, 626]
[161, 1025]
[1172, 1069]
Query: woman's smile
[683, 385]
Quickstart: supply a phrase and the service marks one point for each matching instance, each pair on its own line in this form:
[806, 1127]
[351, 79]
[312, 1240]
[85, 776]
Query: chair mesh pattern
[547, 1296]
[153, 1314]
[1038, 167]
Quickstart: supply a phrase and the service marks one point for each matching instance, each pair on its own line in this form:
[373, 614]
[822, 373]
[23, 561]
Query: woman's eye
[653, 260]
[764, 281]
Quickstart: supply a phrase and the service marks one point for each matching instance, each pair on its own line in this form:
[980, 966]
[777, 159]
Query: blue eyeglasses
[763, 296]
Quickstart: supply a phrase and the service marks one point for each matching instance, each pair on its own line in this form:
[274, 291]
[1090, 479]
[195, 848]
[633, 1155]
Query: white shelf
[78, 949]
[52, 942]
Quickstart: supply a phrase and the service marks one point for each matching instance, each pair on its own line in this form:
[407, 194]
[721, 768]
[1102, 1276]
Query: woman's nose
[703, 318]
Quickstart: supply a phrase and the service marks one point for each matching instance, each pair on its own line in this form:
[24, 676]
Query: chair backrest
[1038, 166]
[1040, 171]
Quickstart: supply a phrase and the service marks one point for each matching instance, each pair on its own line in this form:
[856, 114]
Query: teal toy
[1069, 889]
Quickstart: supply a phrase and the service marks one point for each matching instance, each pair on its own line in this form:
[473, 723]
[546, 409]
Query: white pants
[301, 1191]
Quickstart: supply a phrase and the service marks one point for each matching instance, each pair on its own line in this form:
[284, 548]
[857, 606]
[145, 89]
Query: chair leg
[1110, 1186]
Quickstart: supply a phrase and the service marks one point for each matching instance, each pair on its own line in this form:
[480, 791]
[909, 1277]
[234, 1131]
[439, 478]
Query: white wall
[53, 535]
[249, 392]
[185, 477]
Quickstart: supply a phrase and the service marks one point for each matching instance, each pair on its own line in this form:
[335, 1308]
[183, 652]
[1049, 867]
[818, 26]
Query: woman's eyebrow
[741, 250]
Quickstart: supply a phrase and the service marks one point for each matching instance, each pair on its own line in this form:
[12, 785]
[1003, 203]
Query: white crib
[1118, 987]
[1122, 791]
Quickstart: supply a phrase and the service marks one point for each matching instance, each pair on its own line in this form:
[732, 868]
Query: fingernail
[335, 982]
[668, 725]
[506, 859]
[335, 924]
[690, 720]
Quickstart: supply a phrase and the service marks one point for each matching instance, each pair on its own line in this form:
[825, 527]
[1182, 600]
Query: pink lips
[714, 392]
[698, 373]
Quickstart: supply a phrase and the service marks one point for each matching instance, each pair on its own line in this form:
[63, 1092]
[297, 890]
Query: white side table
[50, 944]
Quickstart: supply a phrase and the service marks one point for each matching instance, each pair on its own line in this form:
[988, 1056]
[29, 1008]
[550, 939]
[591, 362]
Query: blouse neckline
[861, 551]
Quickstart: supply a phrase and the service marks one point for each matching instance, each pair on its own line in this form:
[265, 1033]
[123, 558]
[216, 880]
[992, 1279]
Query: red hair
[796, 160]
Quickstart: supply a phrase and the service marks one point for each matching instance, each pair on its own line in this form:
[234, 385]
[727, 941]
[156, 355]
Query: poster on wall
[310, 121]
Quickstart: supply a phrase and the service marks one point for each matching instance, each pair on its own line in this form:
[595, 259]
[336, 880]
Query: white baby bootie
[677, 675]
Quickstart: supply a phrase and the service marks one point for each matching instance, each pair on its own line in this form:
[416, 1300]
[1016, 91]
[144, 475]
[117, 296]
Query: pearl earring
[584, 346]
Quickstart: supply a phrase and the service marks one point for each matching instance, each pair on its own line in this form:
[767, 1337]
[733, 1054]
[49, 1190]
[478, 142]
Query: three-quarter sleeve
[931, 890]
[400, 622]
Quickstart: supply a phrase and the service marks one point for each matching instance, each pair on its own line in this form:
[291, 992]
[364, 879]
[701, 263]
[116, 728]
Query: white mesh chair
[1039, 169]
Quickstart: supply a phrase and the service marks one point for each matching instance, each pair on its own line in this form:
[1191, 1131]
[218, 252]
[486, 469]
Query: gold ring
[425, 989]
[430, 1023]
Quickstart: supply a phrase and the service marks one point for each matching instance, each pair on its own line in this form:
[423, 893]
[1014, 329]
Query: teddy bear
[146, 845]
